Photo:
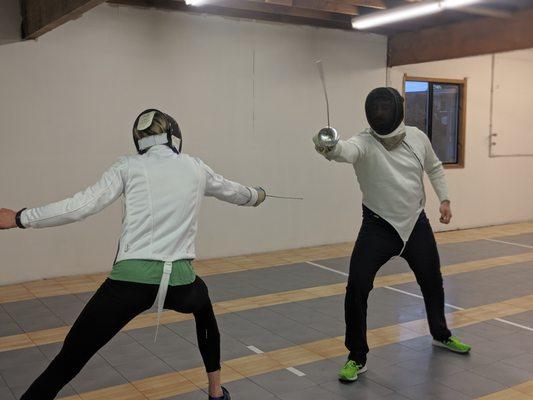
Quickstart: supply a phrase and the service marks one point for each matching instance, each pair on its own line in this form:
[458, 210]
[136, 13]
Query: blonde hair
[160, 124]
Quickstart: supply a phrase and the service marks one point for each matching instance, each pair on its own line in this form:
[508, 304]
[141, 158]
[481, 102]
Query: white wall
[487, 191]
[248, 99]
[513, 85]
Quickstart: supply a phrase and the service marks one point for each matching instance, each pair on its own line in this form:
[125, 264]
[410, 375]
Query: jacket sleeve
[347, 151]
[434, 169]
[83, 204]
[223, 189]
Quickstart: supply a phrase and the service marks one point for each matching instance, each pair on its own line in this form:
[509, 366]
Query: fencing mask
[384, 110]
[153, 127]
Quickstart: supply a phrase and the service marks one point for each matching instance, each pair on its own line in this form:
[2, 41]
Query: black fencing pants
[376, 243]
[113, 305]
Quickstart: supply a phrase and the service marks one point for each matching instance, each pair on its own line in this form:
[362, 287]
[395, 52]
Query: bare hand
[7, 218]
[445, 212]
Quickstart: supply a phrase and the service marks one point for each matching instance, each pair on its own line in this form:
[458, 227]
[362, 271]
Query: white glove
[261, 196]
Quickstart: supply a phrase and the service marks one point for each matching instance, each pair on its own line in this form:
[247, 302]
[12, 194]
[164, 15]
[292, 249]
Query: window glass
[434, 109]
[416, 104]
[445, 120]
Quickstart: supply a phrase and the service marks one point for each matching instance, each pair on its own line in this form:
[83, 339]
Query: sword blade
[323, 79]
[285, 197]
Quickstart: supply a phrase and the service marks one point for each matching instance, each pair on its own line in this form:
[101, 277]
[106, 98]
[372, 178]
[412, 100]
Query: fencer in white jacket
[162, 193]
[162, 189]
[390, 160]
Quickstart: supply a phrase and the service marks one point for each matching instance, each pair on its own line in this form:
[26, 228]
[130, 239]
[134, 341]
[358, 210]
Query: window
[437, 107]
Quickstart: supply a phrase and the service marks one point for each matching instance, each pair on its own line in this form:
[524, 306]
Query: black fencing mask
[384, 110]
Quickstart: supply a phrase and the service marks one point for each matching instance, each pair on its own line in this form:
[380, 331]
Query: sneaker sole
[347, 380]
[439, 344]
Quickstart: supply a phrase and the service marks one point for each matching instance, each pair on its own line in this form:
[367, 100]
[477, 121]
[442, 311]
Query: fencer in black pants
[161, 189]
[376, 243]
[390, 161]
[113, 305]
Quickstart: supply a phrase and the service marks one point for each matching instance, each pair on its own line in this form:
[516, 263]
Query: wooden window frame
[461, 134]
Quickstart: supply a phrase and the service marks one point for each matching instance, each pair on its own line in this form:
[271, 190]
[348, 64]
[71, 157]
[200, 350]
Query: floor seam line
[511, 243]
[293, 370]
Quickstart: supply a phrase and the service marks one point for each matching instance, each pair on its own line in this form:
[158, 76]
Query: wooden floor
[281, 322]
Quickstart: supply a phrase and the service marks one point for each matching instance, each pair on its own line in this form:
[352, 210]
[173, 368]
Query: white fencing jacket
[392, 181]
[162, 195]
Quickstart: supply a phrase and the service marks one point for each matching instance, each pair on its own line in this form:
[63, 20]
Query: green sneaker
[453, 344]
[351, 369]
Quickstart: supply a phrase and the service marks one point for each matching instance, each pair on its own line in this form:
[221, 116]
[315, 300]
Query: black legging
[113, 305]
[376, 243]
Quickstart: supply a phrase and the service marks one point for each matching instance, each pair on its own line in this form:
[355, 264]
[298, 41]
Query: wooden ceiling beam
[328, 5]
[41, 16]
[334, 6]
[287, 3]
[485, 12]
[462, 39]
[379, 4]
[262, 6]
[251, 9]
